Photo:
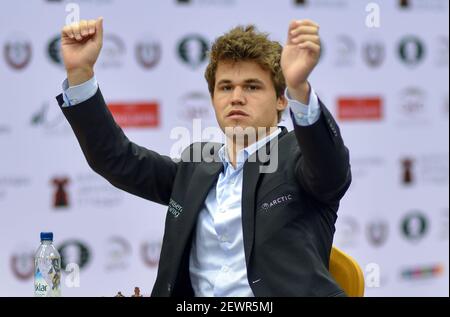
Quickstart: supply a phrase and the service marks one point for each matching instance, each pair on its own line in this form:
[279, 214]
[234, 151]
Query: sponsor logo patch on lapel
[266, 206]
[175, 208]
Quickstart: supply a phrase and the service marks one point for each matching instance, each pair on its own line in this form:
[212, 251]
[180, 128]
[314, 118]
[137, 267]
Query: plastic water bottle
[47, 268]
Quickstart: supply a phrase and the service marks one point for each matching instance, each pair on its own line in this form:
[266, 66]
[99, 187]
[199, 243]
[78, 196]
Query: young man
[231, 230]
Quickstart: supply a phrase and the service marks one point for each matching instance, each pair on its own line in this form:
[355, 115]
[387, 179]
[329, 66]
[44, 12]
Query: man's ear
[281, 103]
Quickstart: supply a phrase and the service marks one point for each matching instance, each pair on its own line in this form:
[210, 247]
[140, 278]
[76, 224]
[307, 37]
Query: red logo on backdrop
[360, 108]
[135, 114]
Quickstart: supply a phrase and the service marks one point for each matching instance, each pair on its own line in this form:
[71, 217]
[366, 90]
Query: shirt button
[223, 238]
[225, 269]
[222, 210]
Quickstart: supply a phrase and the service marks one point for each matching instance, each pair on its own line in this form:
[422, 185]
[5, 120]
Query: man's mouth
[237, 114]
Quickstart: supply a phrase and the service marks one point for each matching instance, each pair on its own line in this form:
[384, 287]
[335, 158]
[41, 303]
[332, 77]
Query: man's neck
[235, 144]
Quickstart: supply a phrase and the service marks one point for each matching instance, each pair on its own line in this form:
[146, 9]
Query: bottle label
[44, 289]
[40, 285]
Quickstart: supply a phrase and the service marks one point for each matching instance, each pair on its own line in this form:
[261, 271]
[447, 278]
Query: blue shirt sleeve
[77, 94]
[304, 115]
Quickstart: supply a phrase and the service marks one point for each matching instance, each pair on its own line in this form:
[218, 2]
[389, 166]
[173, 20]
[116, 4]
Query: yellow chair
[347, 273]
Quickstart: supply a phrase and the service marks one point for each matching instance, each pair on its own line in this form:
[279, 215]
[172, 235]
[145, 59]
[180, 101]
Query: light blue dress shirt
[217, 258]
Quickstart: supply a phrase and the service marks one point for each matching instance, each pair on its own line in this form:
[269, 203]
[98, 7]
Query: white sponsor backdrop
[393, 220]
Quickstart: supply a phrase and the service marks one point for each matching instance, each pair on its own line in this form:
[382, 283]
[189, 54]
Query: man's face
[244, 96]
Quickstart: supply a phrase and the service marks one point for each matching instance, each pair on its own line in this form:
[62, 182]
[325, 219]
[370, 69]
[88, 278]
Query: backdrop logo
[193, 49]
[196, 105]
[22, 265]
[411, 50]
[113, 52]
[414, 226]
[347, 231]
[301, 2]
[335, 4]
[353, 108]
[421, 5]
[150, 252]
[10, 183]
[92, 191]
[51, 120]
[412, 104]
[148, 53]
[135, 114]
[434, 168]
[422, 272]
[54, 50]
[407, 171]
[430, 168]
[345, 51]
[444, 223]
[377, 232]
[17, 52]
[374, 53]
[442, 52]
[404, 4]
[74, 251]
[60, 196]
[118, 252]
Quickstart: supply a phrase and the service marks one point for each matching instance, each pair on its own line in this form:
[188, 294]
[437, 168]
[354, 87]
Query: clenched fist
[80, 47]
[300, 55]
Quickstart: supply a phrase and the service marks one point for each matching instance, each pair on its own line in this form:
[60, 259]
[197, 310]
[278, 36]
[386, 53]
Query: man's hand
[80, 47]
[300, 55]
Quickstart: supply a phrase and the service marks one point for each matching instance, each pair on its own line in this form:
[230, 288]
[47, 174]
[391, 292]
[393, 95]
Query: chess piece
[119, 294]
[60, 198]
[137, 292]
[407, 171]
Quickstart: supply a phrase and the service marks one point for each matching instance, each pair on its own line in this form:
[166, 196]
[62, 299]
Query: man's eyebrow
[254, 81]
[224, 81]
[247, 81]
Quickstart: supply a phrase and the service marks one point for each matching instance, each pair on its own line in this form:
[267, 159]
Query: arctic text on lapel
[267, 205]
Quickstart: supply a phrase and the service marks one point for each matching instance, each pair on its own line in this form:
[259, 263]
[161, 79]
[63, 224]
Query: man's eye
[226, 88]
[252, 87]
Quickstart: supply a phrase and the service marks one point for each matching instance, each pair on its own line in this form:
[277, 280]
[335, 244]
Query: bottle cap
[46, 236]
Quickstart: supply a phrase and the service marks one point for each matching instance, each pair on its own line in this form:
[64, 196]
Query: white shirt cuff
[304, 115]
[77, 94]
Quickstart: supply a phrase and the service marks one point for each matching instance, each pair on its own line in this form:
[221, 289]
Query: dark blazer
[288, 216]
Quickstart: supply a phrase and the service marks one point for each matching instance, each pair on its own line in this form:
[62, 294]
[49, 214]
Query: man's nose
[238, 97]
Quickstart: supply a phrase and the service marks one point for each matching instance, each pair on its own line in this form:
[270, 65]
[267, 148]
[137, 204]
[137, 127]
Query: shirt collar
[243, 154]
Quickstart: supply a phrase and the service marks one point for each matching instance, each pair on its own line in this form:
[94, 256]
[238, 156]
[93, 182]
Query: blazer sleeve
[111, 154]
[323, 168]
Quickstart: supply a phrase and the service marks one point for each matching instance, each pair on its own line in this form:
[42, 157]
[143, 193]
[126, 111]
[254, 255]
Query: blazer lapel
[204, 176]
[251, 176]
[249, 182]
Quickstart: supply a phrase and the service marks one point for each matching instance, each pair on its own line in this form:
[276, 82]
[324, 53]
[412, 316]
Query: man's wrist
[300, 93]
[78, 76]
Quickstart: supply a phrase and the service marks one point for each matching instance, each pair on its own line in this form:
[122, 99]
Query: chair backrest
[347, 273]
